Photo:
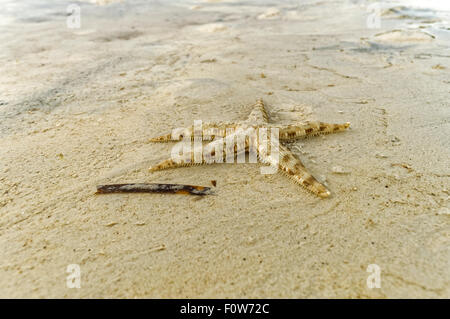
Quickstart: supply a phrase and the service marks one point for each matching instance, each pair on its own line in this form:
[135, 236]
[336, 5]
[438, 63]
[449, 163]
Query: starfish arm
[258, 115]
[215, 152]
[291, 166]
[186, 159]
[208, 132]
[293, 132]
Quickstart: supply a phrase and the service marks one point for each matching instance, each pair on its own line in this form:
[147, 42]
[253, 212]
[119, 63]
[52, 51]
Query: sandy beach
[79, 103]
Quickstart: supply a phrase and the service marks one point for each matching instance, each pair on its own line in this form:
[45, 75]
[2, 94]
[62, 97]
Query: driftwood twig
[154, 188]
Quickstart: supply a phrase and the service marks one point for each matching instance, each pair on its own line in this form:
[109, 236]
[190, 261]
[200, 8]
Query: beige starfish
[252, 137]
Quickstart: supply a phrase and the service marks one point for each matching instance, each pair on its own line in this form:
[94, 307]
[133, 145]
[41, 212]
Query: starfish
[253, 140]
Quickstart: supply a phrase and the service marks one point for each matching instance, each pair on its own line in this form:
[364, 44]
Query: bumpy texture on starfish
[226, 134]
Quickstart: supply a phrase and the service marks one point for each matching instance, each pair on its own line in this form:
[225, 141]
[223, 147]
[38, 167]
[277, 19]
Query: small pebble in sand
[380, 155]
[444, 211]
[212, 27]
[438, 67]
[271, 13]
[111, 224]
[212, 60]
[339, 170]
[158, 248]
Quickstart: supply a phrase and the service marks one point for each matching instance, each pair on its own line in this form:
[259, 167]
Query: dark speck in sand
[34, 19]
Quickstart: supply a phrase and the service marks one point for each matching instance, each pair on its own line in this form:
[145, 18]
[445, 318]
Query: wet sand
[77, 107]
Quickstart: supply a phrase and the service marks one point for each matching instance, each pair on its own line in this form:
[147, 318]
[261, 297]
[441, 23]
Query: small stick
[154, 188]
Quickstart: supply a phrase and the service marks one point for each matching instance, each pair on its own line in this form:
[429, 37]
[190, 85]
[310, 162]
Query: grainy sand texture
[78, 104]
